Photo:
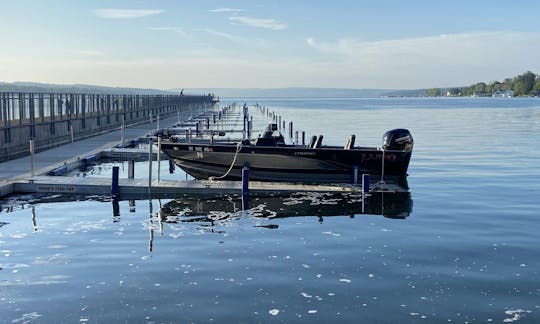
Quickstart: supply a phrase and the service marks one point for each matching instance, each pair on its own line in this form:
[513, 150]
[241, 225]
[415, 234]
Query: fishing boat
[269, 158]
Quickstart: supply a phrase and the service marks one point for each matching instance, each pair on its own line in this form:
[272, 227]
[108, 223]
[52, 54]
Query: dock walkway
[19, 169]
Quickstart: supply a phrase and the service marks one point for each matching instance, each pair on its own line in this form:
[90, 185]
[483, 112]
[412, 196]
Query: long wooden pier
[53, 119]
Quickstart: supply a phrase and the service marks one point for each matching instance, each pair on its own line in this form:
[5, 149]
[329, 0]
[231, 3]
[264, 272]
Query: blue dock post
[245, 187]
[303, 138]
[365, 183]
[114, 187]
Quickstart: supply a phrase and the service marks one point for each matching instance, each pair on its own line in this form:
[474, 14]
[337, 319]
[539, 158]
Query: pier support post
[245, 187]
[171, 166]
[32, 152]
[290, 130]
[150, 156]
[131, 169]
[114, 186]
[365, 183]
[122, 131]
[355, 175]
[303, 138]
[158, 158]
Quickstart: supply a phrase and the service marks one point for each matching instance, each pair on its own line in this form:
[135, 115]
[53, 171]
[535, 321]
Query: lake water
[462, 247]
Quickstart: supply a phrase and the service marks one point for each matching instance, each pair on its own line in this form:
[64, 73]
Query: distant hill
[304, 92]
[73, 88]
[238, 93]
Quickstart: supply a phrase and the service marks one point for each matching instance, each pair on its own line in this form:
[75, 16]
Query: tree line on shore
[526, 84]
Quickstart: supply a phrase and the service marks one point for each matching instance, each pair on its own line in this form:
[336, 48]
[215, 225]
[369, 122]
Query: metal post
[171, 166]
[279, 122]
[296, 137]
[114, 186]
[355, 175]
[32, 151]
[122, 131]
[131, 169]
[245, 187]
[303, 138]
[150, 155]
[382, 167]
[158, 157]
[290, 129]
[157, 125]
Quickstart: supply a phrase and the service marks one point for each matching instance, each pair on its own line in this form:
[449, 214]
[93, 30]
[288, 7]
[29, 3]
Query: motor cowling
[398, 139]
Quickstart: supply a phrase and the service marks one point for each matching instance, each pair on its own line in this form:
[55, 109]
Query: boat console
[268, 138]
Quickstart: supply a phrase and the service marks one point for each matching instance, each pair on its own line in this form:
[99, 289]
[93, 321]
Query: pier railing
[53, 119]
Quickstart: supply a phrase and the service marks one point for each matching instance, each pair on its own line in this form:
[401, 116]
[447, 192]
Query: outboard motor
[398, 139]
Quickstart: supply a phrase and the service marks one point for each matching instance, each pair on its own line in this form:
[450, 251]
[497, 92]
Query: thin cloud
[218, 33]
[177, 30]
[125, 13]
[92, 53]
[227, 10]
[258, 22]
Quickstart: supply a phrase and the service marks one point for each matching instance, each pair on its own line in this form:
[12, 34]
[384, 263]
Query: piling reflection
[396, 205]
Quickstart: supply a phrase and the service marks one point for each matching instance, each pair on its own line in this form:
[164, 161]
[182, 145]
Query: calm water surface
[462, 247]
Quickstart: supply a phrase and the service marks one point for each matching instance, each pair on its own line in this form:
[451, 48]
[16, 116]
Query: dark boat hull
[285, 163]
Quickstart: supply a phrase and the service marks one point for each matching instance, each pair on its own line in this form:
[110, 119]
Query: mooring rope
[238, 149]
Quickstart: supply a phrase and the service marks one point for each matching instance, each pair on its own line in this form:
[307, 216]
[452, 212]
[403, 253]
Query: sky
[165, 44]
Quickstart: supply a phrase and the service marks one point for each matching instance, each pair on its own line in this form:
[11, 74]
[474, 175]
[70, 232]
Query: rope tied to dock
[238, 149]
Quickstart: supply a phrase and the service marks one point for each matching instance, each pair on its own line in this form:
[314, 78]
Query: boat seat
[318, 142]
[350, 142]
[265, 141]
[312, 141]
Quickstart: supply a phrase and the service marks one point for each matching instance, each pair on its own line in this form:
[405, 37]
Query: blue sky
[268, 44]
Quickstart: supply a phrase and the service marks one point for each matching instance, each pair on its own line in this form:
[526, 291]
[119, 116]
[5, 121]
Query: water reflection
[315, 204]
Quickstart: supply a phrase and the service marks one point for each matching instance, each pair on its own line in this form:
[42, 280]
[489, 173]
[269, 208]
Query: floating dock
[129, 188]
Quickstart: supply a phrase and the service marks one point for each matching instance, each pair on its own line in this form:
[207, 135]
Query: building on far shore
[503, 94]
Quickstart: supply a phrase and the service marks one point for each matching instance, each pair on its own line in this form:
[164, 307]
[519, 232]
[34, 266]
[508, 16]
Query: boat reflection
[315, 204]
